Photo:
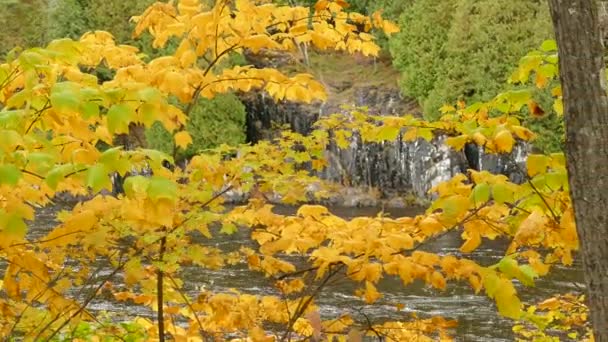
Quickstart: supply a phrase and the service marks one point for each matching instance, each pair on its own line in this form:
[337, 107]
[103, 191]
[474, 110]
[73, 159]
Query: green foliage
[390, 9]
[449, 50]
[418, 50]
[211, 123]
[72, 18]
[548, 126]
[24, 32]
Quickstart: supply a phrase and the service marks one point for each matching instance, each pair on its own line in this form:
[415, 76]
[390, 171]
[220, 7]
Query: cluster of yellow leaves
[207, 36]
[364, 250]
[463, 125]
[54, 116]
[555, 319]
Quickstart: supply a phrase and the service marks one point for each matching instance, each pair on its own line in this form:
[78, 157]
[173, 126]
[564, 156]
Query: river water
[476, 314]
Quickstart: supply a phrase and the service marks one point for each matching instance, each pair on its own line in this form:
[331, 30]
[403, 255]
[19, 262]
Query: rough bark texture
[586, 106]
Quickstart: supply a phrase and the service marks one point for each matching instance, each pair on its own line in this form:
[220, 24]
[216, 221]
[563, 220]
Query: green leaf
[30, 59]
[56, 174]
[112, 159]
[480, 194]
[135, 185]
[549, 45]
[98, 178]
[548, 70]
[527, 275]
[228, 228]
[490, 282]
[10, 139]
[65, 97]
[148, 113]
[162, 188]
[90, 109]
[556, 180]
[11, 118]
[502, 194]
[388, 133]
[539, 182]
[508, 266]
[19, 99]
[41, 162]
[9, 174]
[67, 48]
[119, 117]
[15, 227]
[149, 94]
[156, 158]
[426, 133]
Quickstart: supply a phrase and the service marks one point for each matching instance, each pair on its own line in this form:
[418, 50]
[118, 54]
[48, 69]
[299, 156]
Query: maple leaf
[183, 139]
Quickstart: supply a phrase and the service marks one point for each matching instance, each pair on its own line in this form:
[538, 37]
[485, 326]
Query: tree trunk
[583, 82]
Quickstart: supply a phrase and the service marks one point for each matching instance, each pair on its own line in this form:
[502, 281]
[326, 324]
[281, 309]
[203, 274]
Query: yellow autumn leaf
[389, 27]
[531, 229]
[507, 301]
[522, 132]
[183, 139]
[370, 294]
[558, 106]
[260, 41]
[458, 142]
[321, 5]
[437, 280]
[258, 334]
[430, 226]
[371, 272]
[473, 240]
[537, 164]
[479, 139]
[504, 141]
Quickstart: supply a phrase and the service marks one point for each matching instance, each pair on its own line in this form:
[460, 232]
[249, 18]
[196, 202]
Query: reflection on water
[476, 314]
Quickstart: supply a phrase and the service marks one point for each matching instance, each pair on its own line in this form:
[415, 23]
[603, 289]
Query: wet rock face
[413, 167]
[264, 116]
[394, 168]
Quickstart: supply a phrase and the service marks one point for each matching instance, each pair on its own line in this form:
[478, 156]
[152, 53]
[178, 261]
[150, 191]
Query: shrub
[72, 18]
[21, 23]
[211, 123]
[451, 49]
[418, 49]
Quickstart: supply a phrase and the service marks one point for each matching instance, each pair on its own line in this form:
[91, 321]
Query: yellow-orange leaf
[458, 142]
[504, 141]
[473, 241]
[438, 281]
[183, 139]
[321, 5]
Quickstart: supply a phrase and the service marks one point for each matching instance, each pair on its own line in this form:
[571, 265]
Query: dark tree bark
[583, 82]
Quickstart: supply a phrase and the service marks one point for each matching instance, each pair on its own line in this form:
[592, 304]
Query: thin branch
[301, 308]
[38, 115]
[32, 174]
[159, 292]
[529, 181]
[187, 301]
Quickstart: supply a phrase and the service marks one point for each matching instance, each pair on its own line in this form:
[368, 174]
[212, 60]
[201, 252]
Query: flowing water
[476, 314]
